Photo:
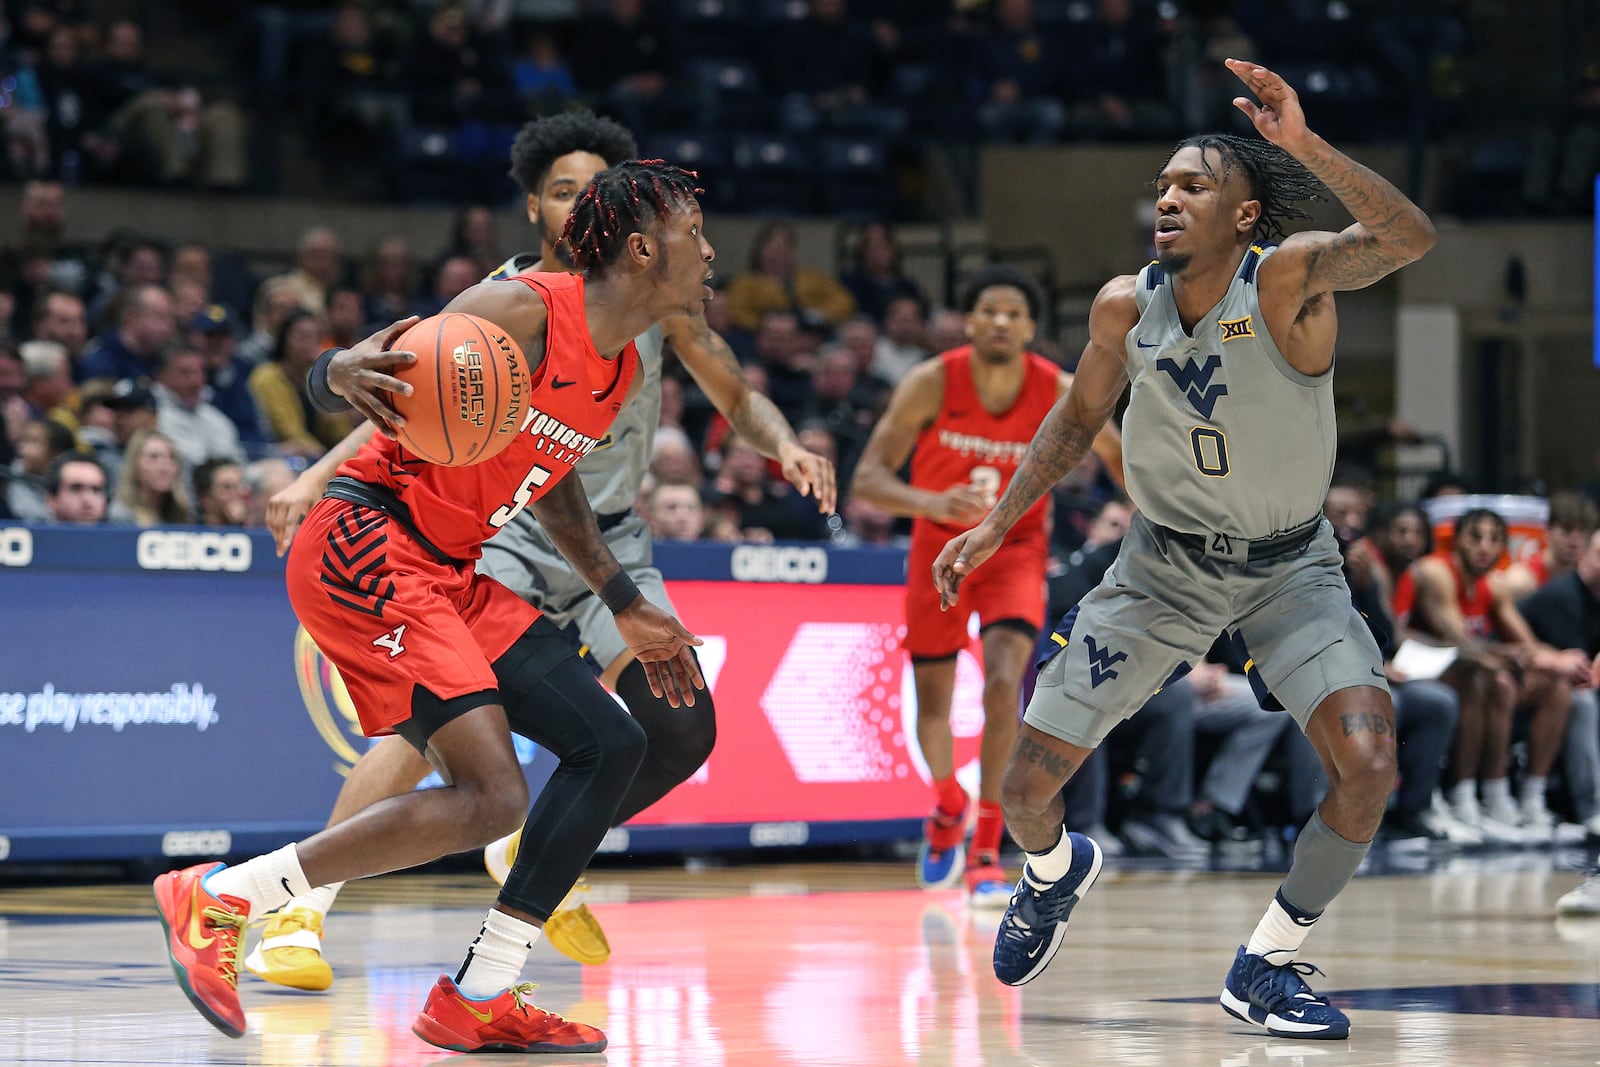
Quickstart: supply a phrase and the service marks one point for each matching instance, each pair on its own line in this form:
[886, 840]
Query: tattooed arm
[753, 416]
[1066, 434]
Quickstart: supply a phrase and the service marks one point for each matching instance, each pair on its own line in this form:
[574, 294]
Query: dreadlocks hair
[623, 200]
[1279, 181]
[543, 141]
[1004, 274]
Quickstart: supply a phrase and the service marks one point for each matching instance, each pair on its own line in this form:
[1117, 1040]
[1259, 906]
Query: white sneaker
[1494, 831]
[1537, 816]
[1538, 826]
[1446, 827]
[1584, 900]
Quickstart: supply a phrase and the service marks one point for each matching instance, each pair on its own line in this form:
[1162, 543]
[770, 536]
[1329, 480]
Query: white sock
[319, 900]
[1052, 864]
[1496, 793]
[1280, 932]
[1533, 792]
[266, 882]
[1464, 793]
[495, 960]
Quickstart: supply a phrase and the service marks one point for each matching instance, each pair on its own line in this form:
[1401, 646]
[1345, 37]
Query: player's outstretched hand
[813, 475]
[665, 650]
[359, 374]
[960, 557]
[1278, 117]
[288, 506]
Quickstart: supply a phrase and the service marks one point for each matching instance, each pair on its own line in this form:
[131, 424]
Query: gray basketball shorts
[523, 559]
[1162, 605]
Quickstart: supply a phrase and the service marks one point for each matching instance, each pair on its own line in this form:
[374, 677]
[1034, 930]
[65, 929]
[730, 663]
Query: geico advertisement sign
[183, 550]
[779, 563]
[16, 546]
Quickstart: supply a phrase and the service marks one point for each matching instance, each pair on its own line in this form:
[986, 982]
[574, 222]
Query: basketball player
[964, 419]
[382, 578]
[1229, 440]
[1460, 598]
[553, 159]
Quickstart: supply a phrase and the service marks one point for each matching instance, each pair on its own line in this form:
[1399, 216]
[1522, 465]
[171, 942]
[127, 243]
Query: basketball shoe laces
[1283, 988]
[229, 927]
[1040, 910]
[527, 1007]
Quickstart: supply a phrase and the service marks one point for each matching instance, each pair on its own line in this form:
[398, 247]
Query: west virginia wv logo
[1194, 379]
[328, 702]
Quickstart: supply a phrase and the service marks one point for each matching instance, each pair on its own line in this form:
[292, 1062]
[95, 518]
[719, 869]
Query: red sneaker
[944, 832]
[205, 937]
[508, 1023]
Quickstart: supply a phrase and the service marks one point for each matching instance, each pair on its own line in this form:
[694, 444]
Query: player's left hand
[960, 556]
[665, 650]
[1278, 117]
[813, 475]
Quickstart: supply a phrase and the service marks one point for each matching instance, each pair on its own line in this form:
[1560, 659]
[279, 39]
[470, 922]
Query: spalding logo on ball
[469, 390]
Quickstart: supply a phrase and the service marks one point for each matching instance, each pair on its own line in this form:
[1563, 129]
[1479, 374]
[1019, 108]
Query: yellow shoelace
[229, 927]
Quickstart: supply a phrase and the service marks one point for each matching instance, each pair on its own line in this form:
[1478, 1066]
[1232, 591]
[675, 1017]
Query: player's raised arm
[753, 416]
[1389, 232]
[1065, 436]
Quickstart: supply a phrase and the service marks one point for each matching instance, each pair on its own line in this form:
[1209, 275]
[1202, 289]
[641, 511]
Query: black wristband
[619, 592]
[323, 398]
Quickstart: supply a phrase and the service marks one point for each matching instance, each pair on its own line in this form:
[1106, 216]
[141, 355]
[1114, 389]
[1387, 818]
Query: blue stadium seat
[729, 93]
[705, 153]
[770, 13]
[770, 174]
[715, 28]
[856, 178]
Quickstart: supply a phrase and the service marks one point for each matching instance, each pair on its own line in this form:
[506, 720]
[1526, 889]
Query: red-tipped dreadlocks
[623, 200]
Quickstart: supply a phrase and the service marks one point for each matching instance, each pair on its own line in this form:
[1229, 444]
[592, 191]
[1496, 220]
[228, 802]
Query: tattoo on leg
[1030, 751]
[1365, 722]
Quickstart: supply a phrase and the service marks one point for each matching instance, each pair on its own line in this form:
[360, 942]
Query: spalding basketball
[469, 387]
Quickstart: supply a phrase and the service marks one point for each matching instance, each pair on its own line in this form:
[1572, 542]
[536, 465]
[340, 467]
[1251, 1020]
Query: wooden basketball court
[850, 965]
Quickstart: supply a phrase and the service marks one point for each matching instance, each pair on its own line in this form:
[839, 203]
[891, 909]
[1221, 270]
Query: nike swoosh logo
[481, 1016]
[197, 935]
[1376, 673]
[1140, 342]
[1036, 950]
[557, 383]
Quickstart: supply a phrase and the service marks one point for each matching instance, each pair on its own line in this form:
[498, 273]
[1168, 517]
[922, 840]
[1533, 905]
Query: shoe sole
[1060, 931]
[576, 934]
[1246, 1012]
[313, 982]
[182, 973]
[438, 1035]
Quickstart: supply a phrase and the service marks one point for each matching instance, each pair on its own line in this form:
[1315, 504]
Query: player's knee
[1504, 692]
[497, 808]
[1025, 793]
[688, 745]
[1001, 691]
[1367, 767]
[621, 742]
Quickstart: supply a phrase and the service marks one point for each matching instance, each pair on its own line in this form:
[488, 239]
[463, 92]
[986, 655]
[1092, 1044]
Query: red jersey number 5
[534, 480]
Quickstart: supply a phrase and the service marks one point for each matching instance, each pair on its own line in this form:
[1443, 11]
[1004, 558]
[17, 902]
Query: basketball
[469, 390]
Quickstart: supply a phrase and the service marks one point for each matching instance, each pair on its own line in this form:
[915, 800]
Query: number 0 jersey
[1222, 435]
[576, 395]
[966, 445]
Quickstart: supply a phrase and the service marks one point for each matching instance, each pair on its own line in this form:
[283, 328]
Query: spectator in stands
[541, 77]
[776, 282]
[227, 375]
[1017, 69]
[317, 269]
[1564, 154]
[842, 405]
[220, 494]
[188, 297]
[675, 512]
[673, 458]
[145, 325]
[47, 382]
[624, 60]
[903, 343]
[456, 274]
[763, 508]
[72, 109]
[474, 235]
[825, 67]
[1565, 614]
[391, 281]
[1573, 520]
[97, 426]
[1117, 78]
[60, 317]
[22, 119]
[264, 479]
[279, 388]
[191, 261]
[131, 261]
[347, 317]
[781, 351]
[75, 490]
[362, 107]
[947, 329]
[166, 135]
[1400, 534]
[876, 277]
[453, 74]
[150, 491]
[40, 442]
[14, 412]
[276, 299]
[185, 414]
[867, 524]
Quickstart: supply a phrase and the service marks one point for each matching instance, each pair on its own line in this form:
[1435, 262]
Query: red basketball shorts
[1009, 586]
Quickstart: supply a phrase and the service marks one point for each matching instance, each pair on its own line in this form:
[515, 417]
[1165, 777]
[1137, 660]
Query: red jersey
[1475, 599]
[576, 394]
[967, 445]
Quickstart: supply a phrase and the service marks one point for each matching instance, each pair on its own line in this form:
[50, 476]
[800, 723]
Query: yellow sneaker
[500, 855]
[290, 952]
[573, 930]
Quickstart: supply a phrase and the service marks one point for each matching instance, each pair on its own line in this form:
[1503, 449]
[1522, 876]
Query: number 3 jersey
[966, 445]
[1222, 434]
[576, 395]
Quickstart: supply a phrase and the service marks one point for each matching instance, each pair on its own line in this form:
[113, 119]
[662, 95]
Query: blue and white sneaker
[1036, 919]
[1277, 999]
[942, 859]
[987, 885]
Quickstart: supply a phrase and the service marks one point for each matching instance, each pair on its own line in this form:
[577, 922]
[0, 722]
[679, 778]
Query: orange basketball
[469, 387]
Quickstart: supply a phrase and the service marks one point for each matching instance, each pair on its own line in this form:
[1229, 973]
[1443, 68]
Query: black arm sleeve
[323, 398]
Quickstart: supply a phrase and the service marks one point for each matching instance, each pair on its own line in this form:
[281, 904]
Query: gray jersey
[1222, 434]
